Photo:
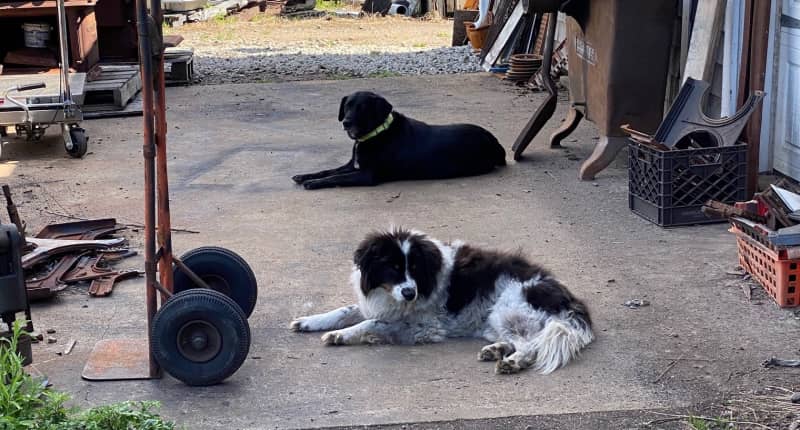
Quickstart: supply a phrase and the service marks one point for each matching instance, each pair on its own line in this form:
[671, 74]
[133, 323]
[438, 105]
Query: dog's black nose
[408, 293]
[347, 123]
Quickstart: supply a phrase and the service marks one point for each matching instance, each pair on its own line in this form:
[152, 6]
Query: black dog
[390, 146]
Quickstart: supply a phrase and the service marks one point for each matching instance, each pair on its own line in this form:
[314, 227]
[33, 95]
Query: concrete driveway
[232, 150]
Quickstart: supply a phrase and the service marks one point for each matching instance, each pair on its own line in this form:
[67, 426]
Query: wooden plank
[42, 57]
[86, 50]
[107, 76]
[171, 41]
[118, 67]
[758, 67]
[113, 111]
[109, 84]
[503, 38]
[706, 31]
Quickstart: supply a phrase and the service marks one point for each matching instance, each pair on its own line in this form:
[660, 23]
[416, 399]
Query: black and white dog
[415, 289]
[390, 146]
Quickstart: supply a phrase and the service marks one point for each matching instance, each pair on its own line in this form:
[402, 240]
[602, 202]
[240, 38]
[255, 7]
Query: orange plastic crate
[772, 268]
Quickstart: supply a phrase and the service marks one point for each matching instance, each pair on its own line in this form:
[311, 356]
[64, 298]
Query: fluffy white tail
[561, 339]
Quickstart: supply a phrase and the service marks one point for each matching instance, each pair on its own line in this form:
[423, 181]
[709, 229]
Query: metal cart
[32, 115]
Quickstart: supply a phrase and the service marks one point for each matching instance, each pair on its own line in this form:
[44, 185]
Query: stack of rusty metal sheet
[72, 253]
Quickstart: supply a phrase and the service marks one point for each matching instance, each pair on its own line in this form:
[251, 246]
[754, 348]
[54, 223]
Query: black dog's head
[362, 112]
[399, 263]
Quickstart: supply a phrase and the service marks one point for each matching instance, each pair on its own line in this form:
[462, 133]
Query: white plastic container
[36, 35]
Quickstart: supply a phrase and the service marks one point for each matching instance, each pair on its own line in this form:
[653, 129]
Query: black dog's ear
[341, 108]
[382, 106]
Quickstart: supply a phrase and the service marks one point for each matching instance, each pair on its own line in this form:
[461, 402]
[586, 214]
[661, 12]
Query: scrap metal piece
[790, 199]
[81, 230]
[686, 117]
[43, 287]
[46, 248]
[778, 362]
[102, 287]
[787, 236]
[88, 267]
[112, 255]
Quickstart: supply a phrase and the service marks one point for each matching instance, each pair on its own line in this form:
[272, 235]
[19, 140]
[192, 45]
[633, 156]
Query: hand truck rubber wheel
[200, 337]
[224, 271]
[80, 143]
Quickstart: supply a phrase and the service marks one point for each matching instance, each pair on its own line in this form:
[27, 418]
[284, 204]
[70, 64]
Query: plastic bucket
[36, 35]
[476, 36]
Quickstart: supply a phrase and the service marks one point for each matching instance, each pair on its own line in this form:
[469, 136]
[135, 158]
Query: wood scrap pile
[73, 253]
[772, 216]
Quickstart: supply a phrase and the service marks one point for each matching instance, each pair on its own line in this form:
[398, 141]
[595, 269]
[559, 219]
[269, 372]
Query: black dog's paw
[299, 179]
[311, 185]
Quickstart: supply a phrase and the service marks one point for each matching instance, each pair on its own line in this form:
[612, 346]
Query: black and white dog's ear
[426, 262]
[362, 254]
[341, 108]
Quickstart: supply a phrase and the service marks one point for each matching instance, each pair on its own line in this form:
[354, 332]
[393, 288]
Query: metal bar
[164, 227]
[188, 272]
[62, 47]
[13, 215]
[162, 290]
[143, 23]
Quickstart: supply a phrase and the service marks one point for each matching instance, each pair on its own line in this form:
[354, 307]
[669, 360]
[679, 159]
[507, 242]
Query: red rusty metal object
[87, 268]
[103, 286]
[44, 287]
[118, 359]
[81, 230]
[48, 248]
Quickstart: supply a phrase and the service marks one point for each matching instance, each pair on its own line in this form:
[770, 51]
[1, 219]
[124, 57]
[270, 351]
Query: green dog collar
[381, 128]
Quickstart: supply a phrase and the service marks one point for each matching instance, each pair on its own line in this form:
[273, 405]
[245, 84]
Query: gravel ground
[271, 49]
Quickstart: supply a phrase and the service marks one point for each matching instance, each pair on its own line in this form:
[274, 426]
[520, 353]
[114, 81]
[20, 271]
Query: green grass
[328, 5]
[705, 424]
[27, 404]
[383, 74]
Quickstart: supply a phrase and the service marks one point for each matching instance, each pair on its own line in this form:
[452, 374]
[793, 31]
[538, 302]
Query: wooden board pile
[773, 214]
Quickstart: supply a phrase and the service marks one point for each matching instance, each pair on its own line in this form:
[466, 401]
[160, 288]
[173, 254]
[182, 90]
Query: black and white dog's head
[399, 263]
[362, 112]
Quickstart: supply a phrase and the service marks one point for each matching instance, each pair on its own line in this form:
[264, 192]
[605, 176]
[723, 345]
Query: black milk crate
[669, 188]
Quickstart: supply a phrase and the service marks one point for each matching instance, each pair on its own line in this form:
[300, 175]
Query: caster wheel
[200, 337]
[80, 143]
[224, 271]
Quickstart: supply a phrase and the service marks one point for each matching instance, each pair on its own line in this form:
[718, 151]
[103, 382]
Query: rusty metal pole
[164, 227]
[144, 25]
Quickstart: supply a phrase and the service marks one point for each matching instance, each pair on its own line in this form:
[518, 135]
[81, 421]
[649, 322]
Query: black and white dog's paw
[337, 337]
[301, 324]
[495, 351]
[507, 366]
[299, 179]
